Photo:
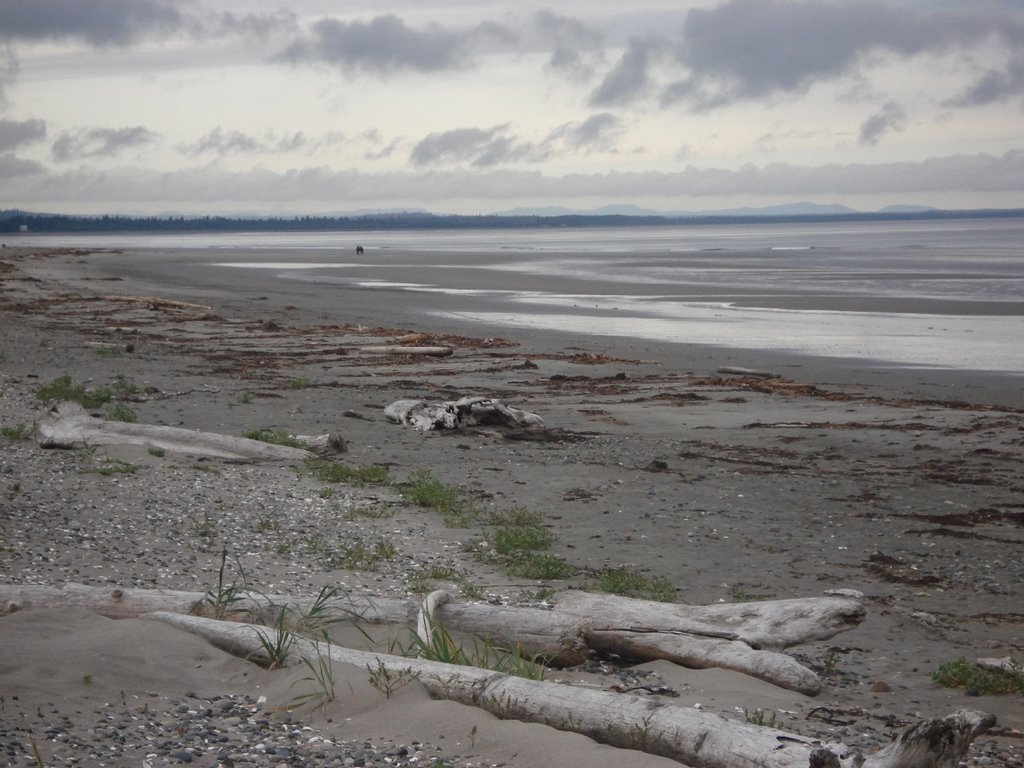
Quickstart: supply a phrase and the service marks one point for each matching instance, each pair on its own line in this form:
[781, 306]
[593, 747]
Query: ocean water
[947, 294]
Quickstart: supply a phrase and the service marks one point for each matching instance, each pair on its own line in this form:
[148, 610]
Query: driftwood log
[70, 426]
[744, 637]
[695, 738]
[469, 411]
[399, 349]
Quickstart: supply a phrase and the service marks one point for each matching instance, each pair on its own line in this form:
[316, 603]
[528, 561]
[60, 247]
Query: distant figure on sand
[359, 250]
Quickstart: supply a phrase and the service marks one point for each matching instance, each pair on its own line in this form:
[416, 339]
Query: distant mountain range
[786, 209]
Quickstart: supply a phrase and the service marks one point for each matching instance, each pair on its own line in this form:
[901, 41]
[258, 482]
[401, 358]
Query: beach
[731, 474]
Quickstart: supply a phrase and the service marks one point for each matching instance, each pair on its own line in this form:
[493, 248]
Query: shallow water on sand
[944, 294]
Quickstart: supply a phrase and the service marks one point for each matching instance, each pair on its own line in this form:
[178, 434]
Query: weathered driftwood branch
[694, 636]
[696, 738]
[72, 427]
[558, 638]
[399, 349]
[155, 301]
[770, 625]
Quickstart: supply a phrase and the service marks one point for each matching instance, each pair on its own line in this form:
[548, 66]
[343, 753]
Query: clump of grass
[422, 581]
[278, 645]
[372, 512]
[518, 538]
[334, 472]
[109, 467]
[539, 566]
[158, 452]
[274, 437]
[321, 674]
[64, 389]
[16, 433]
[122, 388]
[513, 540]
[223, 600]
[760, 718]
[425, 490]
[439, 645]
[964, 674]
[121, 412]
[631, 583]
[245, 398]
[360, 555]
[299, 383]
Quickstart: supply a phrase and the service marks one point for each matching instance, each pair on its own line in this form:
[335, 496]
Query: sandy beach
[661, 460]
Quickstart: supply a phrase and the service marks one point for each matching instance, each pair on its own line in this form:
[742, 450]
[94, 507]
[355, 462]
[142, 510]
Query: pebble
[182, 734]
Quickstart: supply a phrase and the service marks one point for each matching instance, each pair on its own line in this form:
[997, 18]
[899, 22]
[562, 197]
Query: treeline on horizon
[14, 221]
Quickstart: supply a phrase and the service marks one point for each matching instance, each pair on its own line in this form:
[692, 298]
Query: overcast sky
[475, 106]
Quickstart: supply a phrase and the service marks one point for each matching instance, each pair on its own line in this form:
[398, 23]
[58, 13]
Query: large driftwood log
[558, 638]
[695, 738]
[770, 625]
[71, 427]
[743, 637]
[694, 636]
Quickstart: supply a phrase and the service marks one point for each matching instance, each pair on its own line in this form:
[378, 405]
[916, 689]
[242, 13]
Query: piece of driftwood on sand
[695, 738]
[70, 426]
[743, 637]
[471, 411]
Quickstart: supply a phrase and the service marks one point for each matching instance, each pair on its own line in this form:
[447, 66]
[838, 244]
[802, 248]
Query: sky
[268, 107]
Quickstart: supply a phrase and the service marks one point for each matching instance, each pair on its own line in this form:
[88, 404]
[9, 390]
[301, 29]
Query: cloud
[14, 133]
[480, 147]
[12, 167]
[103, 23]
[994, 86]
[210, 185]
[576, 47]
[628, 79]
[890, 117]
[597, 132]
[487, 147]
[100, 142]
[224, 143]
[759, 49]
[384, 45]
[99, 22]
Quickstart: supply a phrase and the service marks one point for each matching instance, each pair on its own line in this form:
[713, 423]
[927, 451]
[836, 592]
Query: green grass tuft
[630, 583]
[964, 674]
[334, 472]
[63, 389]
[539, 566]
[121, 412]
[17, 433]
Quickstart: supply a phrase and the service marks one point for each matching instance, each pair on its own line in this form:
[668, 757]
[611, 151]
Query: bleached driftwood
[399, 349]
[693, 737]
[156, 301]
[743, 637]
[737, 371]
[770, 625]
[694, 636]
[72, 427]
[467, 412]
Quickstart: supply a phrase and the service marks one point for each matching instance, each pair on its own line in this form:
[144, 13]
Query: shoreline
[727, 486]
[162, 273]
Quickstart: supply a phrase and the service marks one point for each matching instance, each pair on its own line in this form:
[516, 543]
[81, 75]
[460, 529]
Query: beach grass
[629, 582]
